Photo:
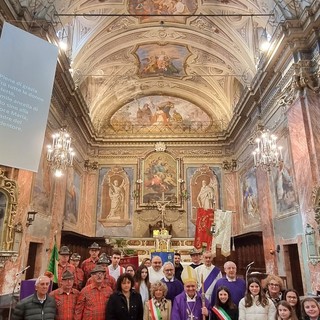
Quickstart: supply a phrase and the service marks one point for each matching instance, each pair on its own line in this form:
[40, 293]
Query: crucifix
[161, 205]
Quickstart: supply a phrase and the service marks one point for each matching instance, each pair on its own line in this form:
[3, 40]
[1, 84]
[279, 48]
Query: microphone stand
[18, 276]
[248, 267]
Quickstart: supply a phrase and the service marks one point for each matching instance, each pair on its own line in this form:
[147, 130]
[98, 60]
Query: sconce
[277, 250]
[30, 218]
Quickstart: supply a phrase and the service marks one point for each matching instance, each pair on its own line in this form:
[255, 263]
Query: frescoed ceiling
[202, 52]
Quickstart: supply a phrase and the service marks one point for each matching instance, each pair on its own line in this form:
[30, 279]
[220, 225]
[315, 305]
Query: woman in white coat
[255, 305]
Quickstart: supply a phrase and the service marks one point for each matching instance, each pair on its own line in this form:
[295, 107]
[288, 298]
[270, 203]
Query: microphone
[23, 270]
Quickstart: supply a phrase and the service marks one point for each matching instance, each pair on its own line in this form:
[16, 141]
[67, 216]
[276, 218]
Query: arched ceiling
[133, 52]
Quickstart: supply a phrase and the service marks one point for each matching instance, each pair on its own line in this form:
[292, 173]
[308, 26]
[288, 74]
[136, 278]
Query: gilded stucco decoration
[8, 207]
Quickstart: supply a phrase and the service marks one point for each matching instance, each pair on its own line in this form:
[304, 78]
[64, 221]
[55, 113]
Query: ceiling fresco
[204, 52]
[166, 60]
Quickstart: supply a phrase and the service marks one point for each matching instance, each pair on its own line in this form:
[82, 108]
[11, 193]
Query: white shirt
[144, 292]
[205, 271]
[115, 272]
[155, 275]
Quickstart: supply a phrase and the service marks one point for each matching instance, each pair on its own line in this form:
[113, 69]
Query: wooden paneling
[79, 243]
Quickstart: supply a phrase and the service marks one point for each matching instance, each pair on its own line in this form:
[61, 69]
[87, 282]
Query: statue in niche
[205, 197]
[204, 190]
[116, 194]
[115, 198]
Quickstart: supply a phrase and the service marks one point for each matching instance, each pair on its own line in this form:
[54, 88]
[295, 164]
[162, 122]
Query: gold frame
[9, 188]
[173, 171]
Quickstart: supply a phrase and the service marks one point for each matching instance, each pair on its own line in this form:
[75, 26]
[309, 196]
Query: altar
[163, 246]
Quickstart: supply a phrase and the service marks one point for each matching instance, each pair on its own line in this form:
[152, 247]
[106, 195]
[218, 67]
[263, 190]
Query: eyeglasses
[274, 285]
[168, 270]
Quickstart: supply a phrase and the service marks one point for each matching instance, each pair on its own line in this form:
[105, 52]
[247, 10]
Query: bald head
[230, 269]
[156, 263]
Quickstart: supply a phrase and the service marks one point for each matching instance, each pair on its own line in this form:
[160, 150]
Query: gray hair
[40, 278]
[168, 263]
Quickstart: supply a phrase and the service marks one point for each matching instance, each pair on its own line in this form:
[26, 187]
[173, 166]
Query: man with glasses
[174, 285]
[90, 263]
[92, 300]
[104, 261]
[65, 297]
[37, 306]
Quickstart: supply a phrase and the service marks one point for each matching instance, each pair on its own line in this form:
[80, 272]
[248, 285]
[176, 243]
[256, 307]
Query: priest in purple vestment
[189, 305]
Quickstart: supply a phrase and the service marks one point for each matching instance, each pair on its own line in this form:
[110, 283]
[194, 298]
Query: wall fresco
[72, 196]
[249, 199]
[285, 194]
[154, 113]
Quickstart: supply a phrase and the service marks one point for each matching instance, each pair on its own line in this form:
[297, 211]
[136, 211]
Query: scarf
[220, 313]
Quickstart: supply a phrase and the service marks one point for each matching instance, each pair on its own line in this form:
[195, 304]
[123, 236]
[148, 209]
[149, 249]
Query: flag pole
[203, 296]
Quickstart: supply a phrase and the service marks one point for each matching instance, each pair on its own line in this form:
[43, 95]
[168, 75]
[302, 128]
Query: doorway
[292, 265]
[34, 250]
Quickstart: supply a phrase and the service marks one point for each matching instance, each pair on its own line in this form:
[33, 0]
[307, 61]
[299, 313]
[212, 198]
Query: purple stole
[210, 278]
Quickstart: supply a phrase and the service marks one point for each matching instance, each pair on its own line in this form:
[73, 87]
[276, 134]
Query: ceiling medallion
[160, 146]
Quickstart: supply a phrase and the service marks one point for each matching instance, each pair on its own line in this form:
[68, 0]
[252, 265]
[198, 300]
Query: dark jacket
[30, 308]
[177, 271]
[117, 308]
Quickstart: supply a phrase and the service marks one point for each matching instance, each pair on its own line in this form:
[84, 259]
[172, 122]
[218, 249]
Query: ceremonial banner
[203, 236]
[222, 237]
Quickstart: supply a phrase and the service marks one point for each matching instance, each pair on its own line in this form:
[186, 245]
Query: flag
[203, 236]
[222, 238]
[53, 263]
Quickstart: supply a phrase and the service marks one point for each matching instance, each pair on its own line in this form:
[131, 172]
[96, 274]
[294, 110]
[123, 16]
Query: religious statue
[205, 197]
[116, 194]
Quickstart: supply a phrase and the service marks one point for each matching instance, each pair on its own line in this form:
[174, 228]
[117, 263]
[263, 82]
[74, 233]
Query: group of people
[159, 291]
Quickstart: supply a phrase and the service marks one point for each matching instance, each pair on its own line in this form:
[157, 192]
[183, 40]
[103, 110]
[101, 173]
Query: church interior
[162, 100]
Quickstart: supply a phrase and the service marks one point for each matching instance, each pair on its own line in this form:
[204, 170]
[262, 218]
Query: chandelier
[267, 154]
[60, 154]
